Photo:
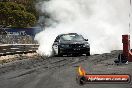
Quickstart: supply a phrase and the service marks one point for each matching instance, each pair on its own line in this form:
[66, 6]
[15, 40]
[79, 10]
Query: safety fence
[17, 39]
[11, 49]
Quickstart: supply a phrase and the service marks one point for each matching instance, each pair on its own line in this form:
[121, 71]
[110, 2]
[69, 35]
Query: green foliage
[15, 15]
[32, 9]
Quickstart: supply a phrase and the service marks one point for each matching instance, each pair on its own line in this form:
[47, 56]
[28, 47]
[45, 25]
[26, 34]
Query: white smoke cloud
[101, 21]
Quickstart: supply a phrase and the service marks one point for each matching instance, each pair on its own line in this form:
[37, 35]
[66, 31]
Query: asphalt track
[60, 72]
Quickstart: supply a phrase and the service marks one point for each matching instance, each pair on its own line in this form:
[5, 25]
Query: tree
[15, 15]
[31, 8]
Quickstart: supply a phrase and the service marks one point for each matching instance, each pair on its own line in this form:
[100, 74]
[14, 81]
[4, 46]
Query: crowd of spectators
[16, 39]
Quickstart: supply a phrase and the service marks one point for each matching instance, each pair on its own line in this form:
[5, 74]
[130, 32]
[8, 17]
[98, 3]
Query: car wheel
[53, 52]
[59, 53]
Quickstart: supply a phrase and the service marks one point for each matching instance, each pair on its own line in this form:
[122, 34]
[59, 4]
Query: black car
[71, 44]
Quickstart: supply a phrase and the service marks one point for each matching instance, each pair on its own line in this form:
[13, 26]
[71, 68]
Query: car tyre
[53, 52]
[59, 54]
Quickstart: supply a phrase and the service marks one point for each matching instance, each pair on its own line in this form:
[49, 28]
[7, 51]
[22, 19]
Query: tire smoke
[101, 21]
